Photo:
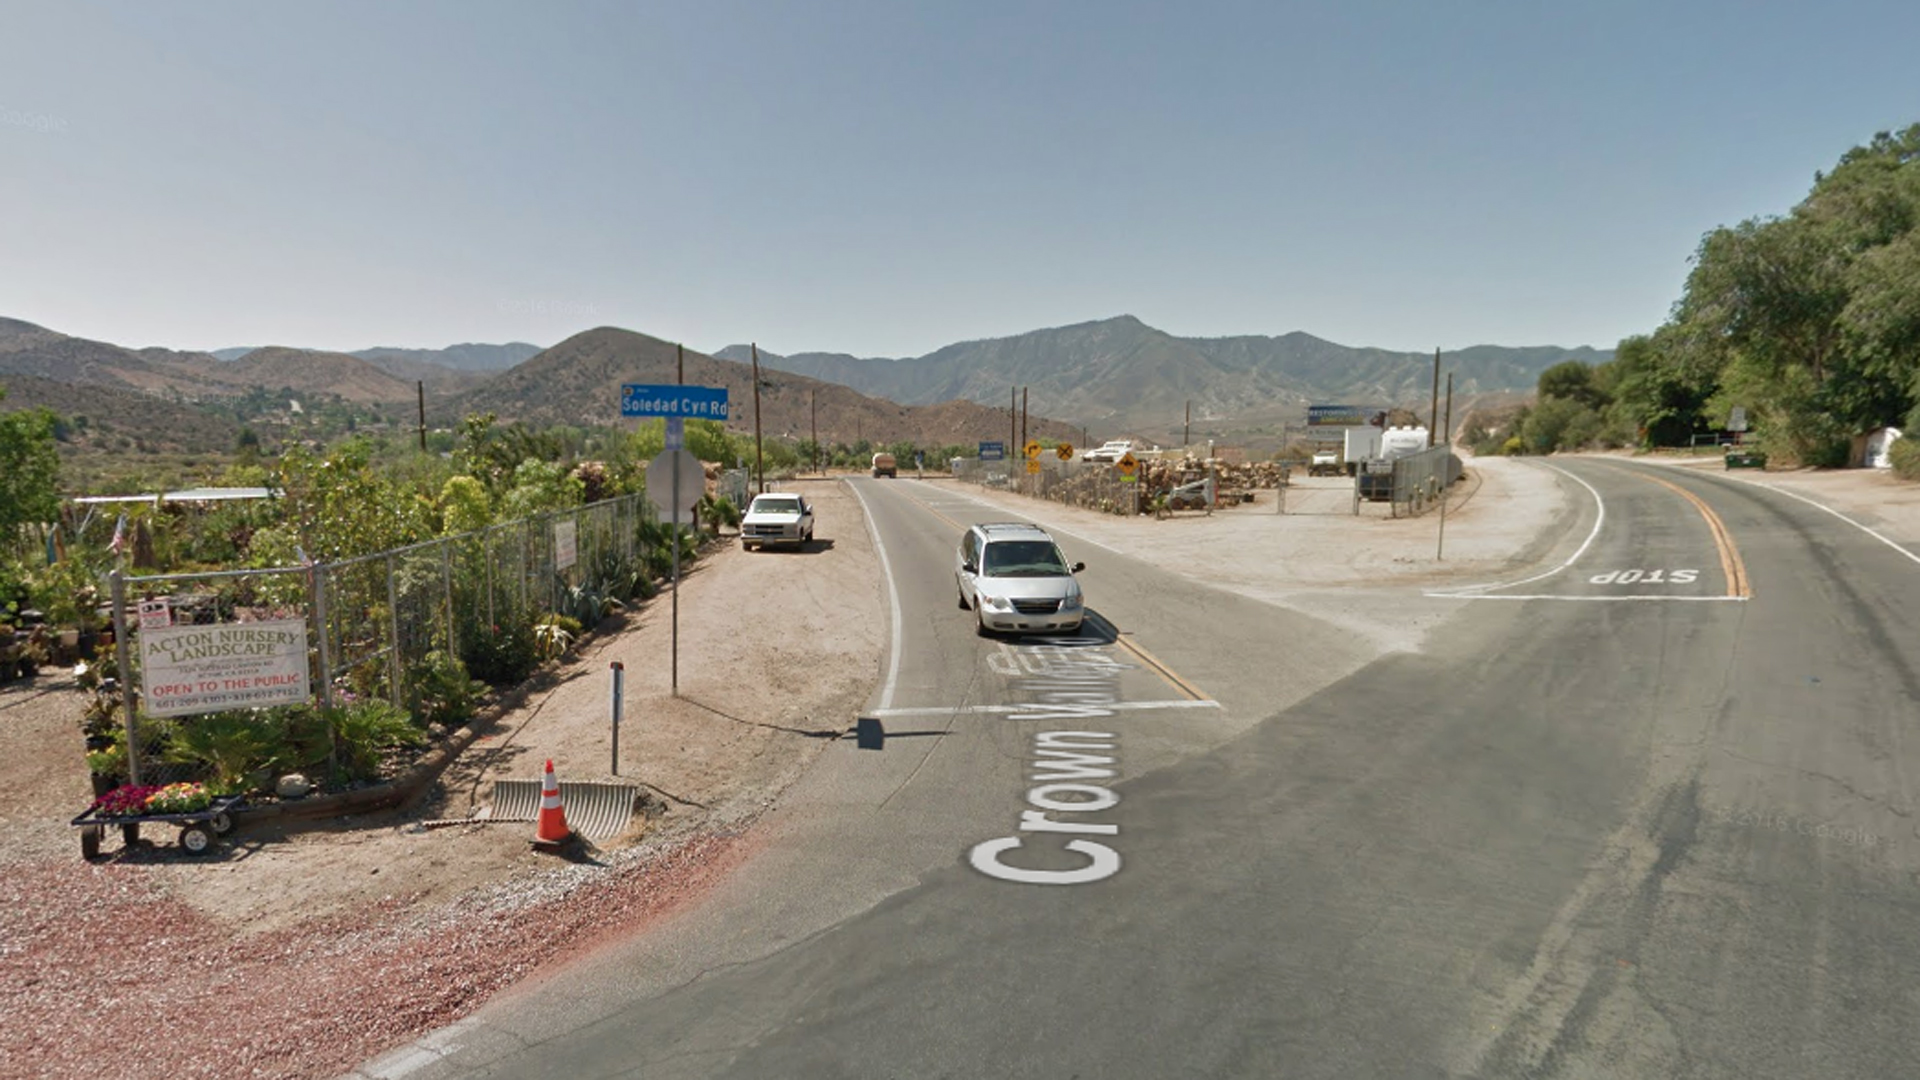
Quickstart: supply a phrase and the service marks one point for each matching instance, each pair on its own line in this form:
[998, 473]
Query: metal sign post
[619, 687]
[675, 402]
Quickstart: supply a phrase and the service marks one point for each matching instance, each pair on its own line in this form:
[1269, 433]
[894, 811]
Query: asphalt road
[1645, 810]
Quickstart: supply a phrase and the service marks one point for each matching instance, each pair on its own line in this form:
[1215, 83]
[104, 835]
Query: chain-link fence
[392, 624]
[1419, 480]
[1092, 486]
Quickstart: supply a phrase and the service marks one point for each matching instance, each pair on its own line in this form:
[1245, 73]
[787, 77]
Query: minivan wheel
[980, 623]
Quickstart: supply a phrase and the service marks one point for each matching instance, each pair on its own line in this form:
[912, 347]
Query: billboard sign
[185, 670]
[1345, 416]
[993, 451]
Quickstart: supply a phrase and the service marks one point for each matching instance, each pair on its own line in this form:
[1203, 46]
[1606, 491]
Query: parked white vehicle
[1110, 451]
[776, 518]
[1014, 578]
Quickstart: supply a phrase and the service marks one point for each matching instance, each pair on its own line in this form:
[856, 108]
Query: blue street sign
[676, 433]
[993, 451]
[700, 402]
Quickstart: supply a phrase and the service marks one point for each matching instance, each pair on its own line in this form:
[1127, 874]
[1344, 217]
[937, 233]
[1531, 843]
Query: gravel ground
[302, 954]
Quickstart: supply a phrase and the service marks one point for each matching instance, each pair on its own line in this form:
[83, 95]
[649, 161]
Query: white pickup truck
[1109, 451]
[777, 518]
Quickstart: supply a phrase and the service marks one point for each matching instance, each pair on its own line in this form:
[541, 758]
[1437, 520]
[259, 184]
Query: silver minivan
[1014, 578]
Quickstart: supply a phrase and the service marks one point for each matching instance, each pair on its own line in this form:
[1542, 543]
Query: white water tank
[1398, 442]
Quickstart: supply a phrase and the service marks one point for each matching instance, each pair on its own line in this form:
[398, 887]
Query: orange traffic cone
[552, 829]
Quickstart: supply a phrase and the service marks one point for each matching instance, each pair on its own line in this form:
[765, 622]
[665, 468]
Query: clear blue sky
[885, 178]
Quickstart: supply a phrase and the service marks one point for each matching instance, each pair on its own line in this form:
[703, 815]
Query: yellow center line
[1730, 562]
[1173, 679]
[911, 497]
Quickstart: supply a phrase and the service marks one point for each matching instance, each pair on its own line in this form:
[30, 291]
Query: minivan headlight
[1072, 603]
[997, 603]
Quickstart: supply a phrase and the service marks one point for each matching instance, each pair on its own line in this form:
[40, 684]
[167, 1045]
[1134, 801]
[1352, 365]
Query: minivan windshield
[1022, 558]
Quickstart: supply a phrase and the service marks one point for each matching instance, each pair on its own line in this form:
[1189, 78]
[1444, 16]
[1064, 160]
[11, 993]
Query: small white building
[1875, 449]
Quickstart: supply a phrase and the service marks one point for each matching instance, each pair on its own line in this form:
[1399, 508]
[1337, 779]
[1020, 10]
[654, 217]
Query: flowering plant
[179, 799]
[126, 800]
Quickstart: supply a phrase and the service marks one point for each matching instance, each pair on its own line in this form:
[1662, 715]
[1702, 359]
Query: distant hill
[578, 381]
[116, 420]
[470, 356]
[1121, 375]
[27, 349]
[308, 370]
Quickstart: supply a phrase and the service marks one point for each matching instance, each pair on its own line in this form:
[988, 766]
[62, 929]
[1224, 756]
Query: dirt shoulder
[346, 938]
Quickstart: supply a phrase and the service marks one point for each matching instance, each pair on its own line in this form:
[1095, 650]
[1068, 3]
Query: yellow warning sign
[1127, 464]
[1064, 451]
[1033, 449]
[1033, 466]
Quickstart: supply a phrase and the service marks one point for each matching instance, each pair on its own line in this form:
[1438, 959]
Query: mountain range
[1120, 373]
[578, 381]
[1095, 380]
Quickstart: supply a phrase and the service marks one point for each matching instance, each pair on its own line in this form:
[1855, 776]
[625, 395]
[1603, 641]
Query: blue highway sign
[698, 402]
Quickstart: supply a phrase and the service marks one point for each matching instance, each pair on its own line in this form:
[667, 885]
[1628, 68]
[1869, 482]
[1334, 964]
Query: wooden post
[421, 387]
[1023, 419]
[759, 458]
[813, 411]
[1433, 418]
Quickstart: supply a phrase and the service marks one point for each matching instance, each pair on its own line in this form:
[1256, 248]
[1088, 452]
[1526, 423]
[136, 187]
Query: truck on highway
[883, 465]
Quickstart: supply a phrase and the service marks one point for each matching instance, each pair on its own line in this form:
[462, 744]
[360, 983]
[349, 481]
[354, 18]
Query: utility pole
[1013, 420]
[421, 386]
[759, 460]
[813, 410]
[1186, 433]
[1446, 475]
[1446, 419]
[1023, 417]
[1433, 418]
[680, 364]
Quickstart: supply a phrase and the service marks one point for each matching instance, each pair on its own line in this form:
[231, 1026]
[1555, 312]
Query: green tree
[29, 469]
[464, 506]
[1574, 381]
[540, 486]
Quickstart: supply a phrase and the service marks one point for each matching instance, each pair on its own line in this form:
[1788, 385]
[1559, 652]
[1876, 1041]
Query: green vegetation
[29, 468]
[1810, 321]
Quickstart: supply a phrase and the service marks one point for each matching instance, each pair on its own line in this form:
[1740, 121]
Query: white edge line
[1599, 520]
[893, 602]
[1869, 530]
[1602, 599]
[1117, 706]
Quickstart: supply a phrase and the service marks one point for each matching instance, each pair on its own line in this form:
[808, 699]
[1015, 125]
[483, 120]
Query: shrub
[553, 636]
[500, 653]
[366, 730]
[229, 745]
[442, 690]
[1905, 452]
